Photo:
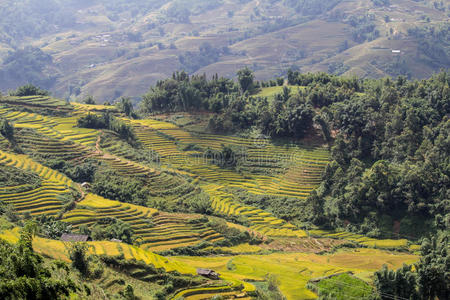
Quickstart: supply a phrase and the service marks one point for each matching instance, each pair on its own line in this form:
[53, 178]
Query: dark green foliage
[79, 256]
[233, 236]
[128, 293]
[429, 279]
[6, 129]
[433, 269]
[226, 158]
[288, 209]
[89, 100]
[29, 90]
[51, 228]
[401, 283]
[107, 121]
[23, 274]
[125, 106]
[112, 228]
[82, 172]
[184, 93]
[390, 158]
[94, 121]
[245, 79]
[114, 186]
[268, 290]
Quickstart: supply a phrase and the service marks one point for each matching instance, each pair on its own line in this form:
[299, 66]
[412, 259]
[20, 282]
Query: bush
[29, 90]
[78, 255]
[6, 129]
[107, 121]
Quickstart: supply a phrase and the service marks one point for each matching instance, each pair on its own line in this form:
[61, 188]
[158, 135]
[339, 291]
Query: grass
[343, 287]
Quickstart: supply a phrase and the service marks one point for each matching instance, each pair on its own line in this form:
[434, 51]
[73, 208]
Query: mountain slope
[110, 49]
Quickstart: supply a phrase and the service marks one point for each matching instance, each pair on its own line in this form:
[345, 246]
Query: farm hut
[86, 186]
[75, 238]
[116, 241]
[208, 273]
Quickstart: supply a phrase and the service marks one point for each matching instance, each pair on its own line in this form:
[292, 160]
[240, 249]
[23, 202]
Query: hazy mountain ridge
[121, 48]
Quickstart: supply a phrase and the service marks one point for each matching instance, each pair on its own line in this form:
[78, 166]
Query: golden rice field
[156, 231]
[268, 169]
[293, 270]
[59, 250]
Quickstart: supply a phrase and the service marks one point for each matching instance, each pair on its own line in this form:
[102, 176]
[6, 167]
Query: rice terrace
[224, 149]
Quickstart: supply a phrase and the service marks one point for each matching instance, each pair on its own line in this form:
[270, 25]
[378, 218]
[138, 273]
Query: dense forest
[389, 140]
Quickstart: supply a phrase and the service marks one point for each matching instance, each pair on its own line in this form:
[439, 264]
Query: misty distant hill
[118, 47]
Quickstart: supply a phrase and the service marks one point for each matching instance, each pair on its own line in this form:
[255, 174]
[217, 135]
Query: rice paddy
[180, 170]
[294, 270]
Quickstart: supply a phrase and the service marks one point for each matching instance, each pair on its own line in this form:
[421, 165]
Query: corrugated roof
[74, 238]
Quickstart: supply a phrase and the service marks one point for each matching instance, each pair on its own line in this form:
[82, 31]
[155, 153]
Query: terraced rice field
[155, 230]
[363, 240]
[38, 101]
[45, 199]
[262, 222]
[42, 200]
[294, 270]
[60, 128]
[267, 169]
[292, 172]
[59, 250]
[25, 163]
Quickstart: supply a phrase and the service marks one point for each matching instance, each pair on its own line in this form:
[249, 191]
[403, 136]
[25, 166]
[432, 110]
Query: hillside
[272, 209]
[120, 48]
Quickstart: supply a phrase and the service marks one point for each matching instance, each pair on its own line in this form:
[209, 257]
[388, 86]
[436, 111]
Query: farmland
[171, 162]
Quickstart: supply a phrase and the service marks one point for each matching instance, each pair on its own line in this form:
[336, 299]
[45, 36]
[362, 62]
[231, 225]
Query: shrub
[78, 255]
[29, 90]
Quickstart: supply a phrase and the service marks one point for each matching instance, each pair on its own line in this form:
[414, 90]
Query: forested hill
[313, 185]
[119, 48]
[389, 139]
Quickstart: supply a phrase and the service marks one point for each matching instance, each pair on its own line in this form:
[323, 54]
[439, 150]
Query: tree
[400, 283]
[245, 78]
[128, 293]
[23, 273]
[125, 106]
[430, 281]
[433, 268]
[6, 129]
[29, 90]
[80, 260]
[89, 100]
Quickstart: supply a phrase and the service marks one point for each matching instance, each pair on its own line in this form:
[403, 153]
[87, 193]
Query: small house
[75, 238]
[86, 186]
[208, 273]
